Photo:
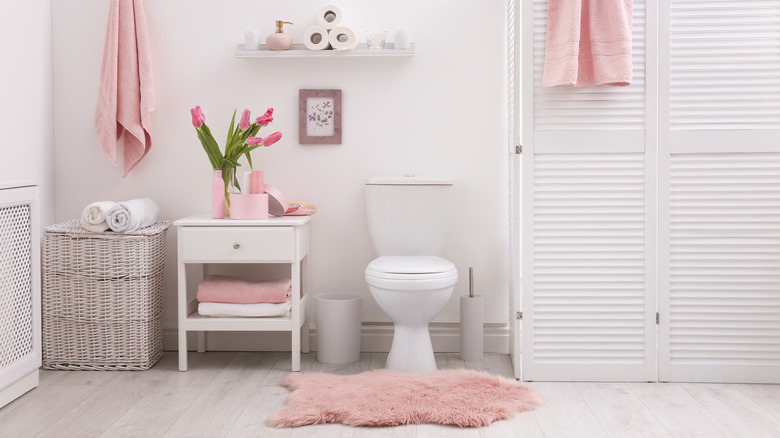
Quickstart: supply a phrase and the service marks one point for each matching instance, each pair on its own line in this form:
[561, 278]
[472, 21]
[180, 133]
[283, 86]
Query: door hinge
[657, 318]
[519, 315]
[519, 149]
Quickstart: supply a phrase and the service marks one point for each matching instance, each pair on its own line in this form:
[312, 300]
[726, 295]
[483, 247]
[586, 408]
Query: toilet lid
[424, 266]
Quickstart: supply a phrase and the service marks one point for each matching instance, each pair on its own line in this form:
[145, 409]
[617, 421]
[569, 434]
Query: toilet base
[412, 351]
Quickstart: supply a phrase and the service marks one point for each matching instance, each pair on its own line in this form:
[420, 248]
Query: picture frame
[319, 116]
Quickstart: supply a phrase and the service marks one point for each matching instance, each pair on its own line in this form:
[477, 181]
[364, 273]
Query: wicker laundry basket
[102, 297]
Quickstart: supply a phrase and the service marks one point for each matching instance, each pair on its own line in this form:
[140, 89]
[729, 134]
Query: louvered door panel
[590, 314]
[720, 157]
[724, 268]
[588, 217]
[590, 119]
[724, 75]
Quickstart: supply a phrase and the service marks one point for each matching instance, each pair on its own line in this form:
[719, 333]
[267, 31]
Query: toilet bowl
[408, 221]
[411, 290]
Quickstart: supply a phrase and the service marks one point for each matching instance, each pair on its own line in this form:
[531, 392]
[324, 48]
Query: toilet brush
[471, 323]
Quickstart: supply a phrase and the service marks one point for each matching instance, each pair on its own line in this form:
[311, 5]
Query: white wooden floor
[231, 394]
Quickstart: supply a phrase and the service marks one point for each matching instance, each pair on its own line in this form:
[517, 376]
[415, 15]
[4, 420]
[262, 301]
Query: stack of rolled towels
[120, 217]
[221, 295]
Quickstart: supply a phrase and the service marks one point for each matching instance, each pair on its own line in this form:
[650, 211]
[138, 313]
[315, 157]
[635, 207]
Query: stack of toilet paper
[329, 34]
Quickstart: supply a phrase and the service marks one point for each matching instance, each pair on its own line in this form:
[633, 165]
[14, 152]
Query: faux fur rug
[388, 398]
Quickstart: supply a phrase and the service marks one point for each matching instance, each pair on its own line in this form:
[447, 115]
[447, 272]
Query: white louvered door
[719, 289]
[682, 167]
[588, 219]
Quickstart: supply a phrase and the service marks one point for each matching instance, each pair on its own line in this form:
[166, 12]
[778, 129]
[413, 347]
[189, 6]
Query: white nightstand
[275, 240]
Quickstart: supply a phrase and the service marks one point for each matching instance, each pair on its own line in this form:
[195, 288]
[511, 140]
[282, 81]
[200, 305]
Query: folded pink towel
[126, 92]
[588, 43]
[233, 290]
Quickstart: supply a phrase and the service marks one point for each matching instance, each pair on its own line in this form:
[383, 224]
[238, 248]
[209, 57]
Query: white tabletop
[205, 220]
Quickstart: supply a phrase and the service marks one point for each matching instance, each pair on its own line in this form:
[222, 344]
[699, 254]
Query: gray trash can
[338, 320]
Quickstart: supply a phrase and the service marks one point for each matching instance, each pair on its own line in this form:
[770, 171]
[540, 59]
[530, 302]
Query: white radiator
[20, 291]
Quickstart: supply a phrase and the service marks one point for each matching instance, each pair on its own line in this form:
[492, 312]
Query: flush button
[236, 245]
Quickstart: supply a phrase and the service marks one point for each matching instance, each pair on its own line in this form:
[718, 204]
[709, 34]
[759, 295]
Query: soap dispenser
[279, 40]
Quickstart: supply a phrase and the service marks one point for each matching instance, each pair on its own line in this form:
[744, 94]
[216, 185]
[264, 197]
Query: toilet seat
[411, 268]
[411, 273]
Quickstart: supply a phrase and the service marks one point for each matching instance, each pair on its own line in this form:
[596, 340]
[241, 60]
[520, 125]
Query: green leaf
[230, 130]
[210, 146]
[233, 162]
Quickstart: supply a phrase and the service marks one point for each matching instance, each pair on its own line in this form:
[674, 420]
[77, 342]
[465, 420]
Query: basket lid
[75, 227]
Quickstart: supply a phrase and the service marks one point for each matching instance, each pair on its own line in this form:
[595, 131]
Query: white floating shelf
[300, 51]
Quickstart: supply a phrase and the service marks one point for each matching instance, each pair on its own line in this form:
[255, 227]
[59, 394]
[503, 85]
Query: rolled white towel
[93, 217]
[132, 215]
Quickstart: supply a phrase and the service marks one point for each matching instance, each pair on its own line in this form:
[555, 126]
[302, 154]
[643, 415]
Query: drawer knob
[236, 245]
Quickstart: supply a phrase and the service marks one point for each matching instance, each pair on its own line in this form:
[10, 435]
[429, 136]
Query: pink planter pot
[248, 206]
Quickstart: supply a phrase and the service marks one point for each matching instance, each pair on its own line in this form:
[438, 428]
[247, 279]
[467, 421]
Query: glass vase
[229, 178]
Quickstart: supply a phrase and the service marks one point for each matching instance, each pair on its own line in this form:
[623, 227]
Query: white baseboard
[18, 388]
[375, 337]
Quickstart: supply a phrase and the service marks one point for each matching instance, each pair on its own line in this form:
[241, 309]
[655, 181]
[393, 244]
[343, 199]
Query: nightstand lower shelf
[198, 322]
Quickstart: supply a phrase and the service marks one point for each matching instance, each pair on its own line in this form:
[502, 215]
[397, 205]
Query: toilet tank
[408, 215]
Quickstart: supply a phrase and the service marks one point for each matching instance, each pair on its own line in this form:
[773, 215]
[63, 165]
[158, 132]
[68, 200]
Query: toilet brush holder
[471, 324]
[471, 347]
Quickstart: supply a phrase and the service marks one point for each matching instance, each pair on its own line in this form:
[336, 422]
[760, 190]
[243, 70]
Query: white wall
[440, 112]
[26, 114]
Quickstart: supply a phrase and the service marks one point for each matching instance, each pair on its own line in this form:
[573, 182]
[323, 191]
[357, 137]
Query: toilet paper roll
[342, 38]
[329, 16]
[316, 38]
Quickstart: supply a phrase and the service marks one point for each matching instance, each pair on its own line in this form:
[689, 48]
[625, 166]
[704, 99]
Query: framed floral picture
[319, 116]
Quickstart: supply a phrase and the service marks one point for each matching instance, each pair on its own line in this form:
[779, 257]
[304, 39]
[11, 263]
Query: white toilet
[408, 219]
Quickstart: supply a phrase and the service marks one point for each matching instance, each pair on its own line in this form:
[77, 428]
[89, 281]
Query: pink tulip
[254, 141]
[266, 118]
[197, 117]
[244, 123]
[271, 139]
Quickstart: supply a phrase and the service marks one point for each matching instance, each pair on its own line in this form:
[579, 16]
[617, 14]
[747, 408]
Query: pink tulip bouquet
[241, 140]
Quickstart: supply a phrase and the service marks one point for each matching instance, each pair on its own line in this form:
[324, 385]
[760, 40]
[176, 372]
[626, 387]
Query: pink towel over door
[588, 43]
[126, 94]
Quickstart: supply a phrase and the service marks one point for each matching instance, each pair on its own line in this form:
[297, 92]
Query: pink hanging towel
[588, 43]
[126, 94]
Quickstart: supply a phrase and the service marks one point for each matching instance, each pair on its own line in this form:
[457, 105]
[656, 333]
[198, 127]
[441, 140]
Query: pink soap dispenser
[279, 40]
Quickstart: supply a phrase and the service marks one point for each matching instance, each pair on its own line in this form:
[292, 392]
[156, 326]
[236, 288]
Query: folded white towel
[93, 217]
[132, 215]
[259, 309]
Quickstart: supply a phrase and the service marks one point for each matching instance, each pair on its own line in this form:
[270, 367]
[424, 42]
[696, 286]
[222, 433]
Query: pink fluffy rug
[388, 398]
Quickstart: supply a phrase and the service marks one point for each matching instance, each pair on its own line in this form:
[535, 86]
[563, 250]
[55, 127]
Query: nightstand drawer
[236, 244]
